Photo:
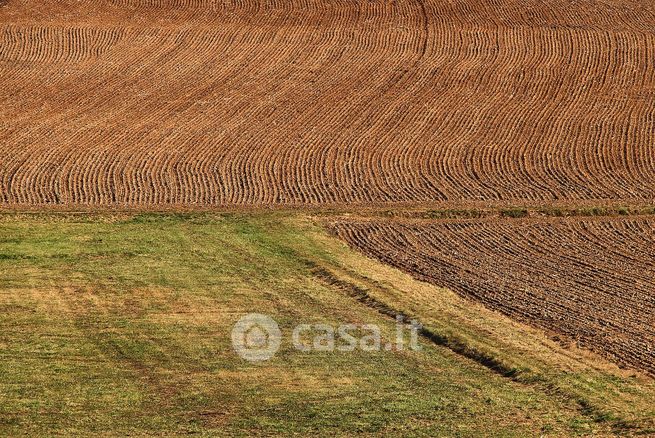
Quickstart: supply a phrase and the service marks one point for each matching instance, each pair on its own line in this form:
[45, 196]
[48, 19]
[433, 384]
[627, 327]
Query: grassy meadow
[120, 325]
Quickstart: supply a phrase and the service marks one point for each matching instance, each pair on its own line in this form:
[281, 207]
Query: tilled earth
[151, 103]
[179, 104]
[591, 280]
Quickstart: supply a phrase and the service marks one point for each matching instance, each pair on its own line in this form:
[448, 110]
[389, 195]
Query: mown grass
[121, 325]
[512, 212]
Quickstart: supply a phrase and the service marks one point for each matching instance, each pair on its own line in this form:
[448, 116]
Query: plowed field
[591, 280]
[313, 102]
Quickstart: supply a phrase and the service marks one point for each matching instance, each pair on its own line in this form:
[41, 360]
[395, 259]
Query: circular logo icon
[256, 337]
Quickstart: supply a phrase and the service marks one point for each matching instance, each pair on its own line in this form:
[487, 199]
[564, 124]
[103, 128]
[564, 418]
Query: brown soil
[190, 103]
[198, 104]
[591, 280]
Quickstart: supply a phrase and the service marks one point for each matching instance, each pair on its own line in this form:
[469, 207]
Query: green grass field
[115, 325]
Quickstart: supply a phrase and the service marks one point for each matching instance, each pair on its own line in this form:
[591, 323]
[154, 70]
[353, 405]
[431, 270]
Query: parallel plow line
[246, 103]
[588, 280]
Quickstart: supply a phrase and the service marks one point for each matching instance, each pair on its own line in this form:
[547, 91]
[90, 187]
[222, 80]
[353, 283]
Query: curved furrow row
[36, 44]
[305, 102]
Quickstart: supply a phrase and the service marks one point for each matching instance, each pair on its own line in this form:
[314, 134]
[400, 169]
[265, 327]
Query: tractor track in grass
[462, 348]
